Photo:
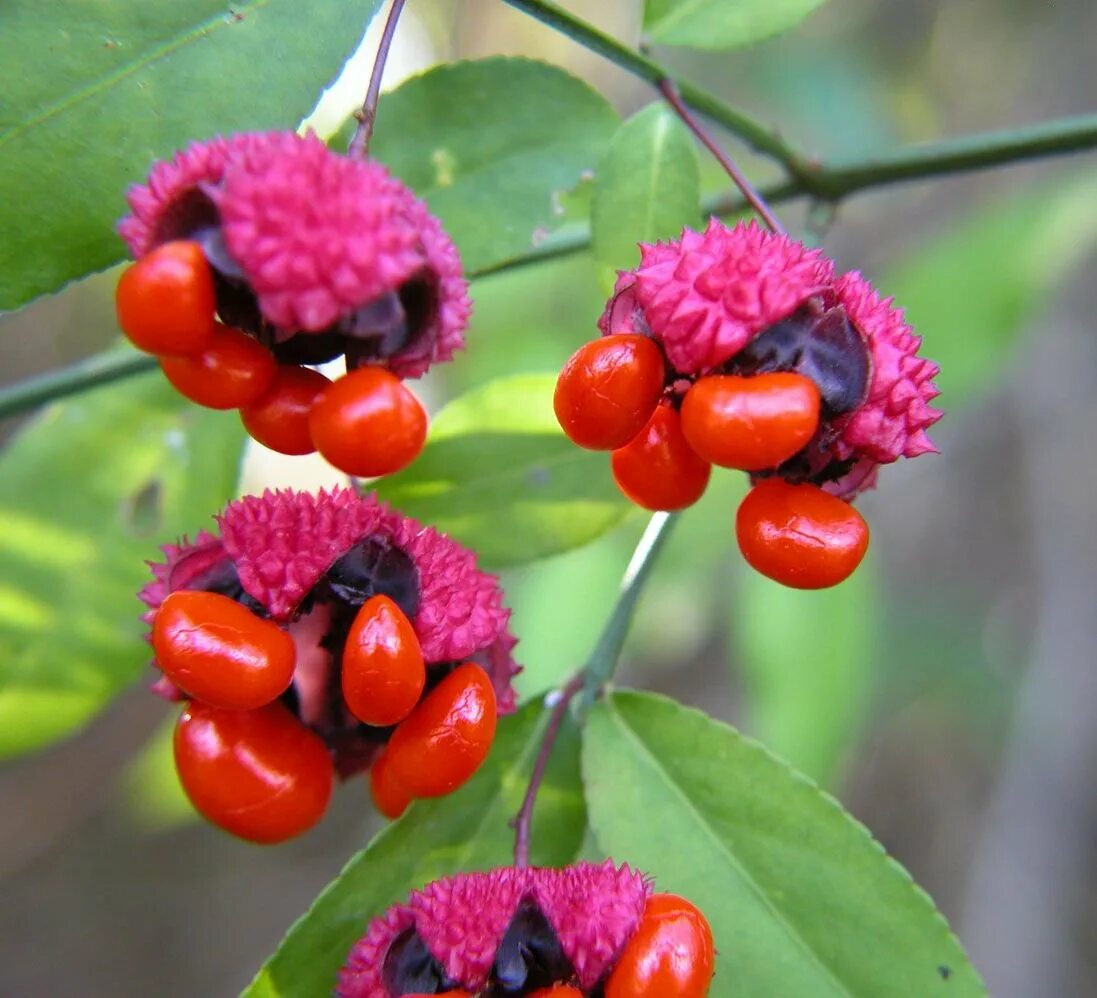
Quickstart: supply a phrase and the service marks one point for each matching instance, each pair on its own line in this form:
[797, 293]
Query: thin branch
[523, 822]
[603, 660]
[99, 369]
[830, 182]
[669, 89]
[836, 179]
[359, 141]
[756, 135]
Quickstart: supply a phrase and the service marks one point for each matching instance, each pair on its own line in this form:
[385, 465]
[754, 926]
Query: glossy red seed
[750, 423]
[658, 469]
[259, 774]
[368, 424]
[800, 535]
[448, 735]
[389, 797]
[608, 390]
[165, 301]
[383, 670]
[232, 371]
[216, 650]
[671, 954]
[279, 419]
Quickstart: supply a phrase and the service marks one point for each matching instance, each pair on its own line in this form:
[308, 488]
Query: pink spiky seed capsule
[306, 565]
[514, 931]
[317, 255]
[742, 302]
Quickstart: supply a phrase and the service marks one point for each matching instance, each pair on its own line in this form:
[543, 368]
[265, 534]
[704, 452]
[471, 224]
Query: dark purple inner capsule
[818, 343]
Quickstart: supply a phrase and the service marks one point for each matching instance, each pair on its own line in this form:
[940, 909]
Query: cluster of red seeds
[611, 395]
[707, 358]
[246, 762]
[577, 932]
[366, 423]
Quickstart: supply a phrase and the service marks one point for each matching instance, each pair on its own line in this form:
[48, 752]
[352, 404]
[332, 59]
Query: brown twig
[359, 142]
[524, 820]
[669, 89]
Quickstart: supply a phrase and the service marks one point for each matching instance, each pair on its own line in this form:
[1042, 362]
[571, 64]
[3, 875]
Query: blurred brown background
[972, 743]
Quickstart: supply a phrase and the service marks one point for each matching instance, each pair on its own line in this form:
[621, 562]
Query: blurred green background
[947, 694]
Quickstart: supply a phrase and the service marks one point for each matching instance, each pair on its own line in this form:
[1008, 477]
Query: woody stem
[669, 89]
[359, 142]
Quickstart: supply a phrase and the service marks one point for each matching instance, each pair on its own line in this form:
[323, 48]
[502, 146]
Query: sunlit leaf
[721, 24]
[801, 900]
[493, 145]
[87, 494]
[647, 187]
[92, 93]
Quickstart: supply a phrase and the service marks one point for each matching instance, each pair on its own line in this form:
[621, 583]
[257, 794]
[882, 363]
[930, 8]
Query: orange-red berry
[658, 469]
[383, 670]
[800, 535]
[165, 301]
[368, 424]
[750, 423]
[448, 735]
[232, 371]
[279, 419]
[259, 774]
[216, 650]
[389, 797]
[671, 954]
[608, 390]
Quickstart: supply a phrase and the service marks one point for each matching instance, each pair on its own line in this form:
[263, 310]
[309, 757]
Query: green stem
[969, 152]
[763, 139]
[829, 182]
[99, 369]
[603, 660]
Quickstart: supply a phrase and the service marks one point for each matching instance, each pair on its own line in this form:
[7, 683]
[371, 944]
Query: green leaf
[721, 24]
[468, 830]
[499, 475]
[801, 900]
[807, 663]
[647, 188]
[92, 93]
[970, 292]
[492, 146]
[87, 493]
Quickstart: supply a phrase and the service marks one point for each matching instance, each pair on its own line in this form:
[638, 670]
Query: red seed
[800, 535]
[608, 390]
[383, 669]
[216, 650]
[750, 423]
[658, 469]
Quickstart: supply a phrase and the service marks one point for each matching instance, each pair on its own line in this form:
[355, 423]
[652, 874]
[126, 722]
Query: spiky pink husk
[594, 910]
[892, 421]
[283, 542]
[316, 234]
[706, 295]
[444, 334]
[155, 203]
